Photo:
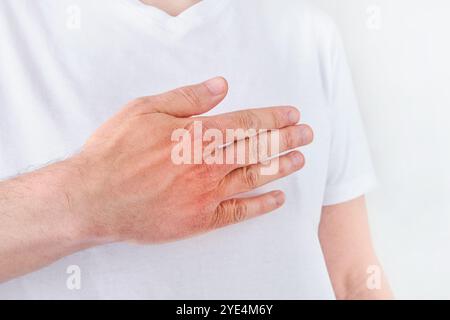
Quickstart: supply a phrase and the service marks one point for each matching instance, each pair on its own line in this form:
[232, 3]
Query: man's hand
[124, 186]
[135, 192]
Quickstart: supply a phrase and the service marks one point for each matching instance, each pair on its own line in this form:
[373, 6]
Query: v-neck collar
[182, 23]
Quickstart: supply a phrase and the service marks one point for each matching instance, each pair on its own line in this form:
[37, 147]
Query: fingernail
[294, 116]
[216, 86]
[279, 197]
[307, 134]
[297, 159]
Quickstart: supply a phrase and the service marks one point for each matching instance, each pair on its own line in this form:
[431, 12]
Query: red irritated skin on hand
[124, 185]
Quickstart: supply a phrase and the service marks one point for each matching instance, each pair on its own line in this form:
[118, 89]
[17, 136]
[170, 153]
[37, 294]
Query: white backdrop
[399, 51]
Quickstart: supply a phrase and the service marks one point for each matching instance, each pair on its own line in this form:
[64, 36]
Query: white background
[399, 52]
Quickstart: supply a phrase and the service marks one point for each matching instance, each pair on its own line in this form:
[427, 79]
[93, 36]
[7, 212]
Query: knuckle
[250, 177]
[208, 124]
[230, 212]
[239, 211]
[206, 174]
[249, 120]
[138, 104]
[287, 140]
[276, 120]
[218, 219]
[209, 170]
[190, 96]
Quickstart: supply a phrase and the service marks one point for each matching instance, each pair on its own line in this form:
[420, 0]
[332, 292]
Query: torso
[57, 84]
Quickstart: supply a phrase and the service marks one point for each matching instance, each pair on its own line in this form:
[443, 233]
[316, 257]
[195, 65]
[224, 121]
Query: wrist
[62, 186]
[84, 183]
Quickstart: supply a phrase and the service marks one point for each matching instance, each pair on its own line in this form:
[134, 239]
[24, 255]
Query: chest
[62, 92]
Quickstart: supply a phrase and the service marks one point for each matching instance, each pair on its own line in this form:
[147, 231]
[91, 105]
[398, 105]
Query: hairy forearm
[37, 222]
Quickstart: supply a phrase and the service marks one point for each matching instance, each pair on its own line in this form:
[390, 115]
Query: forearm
[362, 280]
[38, 223]
[353, 266]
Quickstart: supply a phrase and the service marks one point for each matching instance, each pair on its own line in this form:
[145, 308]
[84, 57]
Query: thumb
[191, 100]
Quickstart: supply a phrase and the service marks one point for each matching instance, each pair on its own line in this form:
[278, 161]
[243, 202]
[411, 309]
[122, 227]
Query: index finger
[259, 119]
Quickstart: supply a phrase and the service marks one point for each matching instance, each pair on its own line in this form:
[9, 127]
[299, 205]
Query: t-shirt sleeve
[350, 171]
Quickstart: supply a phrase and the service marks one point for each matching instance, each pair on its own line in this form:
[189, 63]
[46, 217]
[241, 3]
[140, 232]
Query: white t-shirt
[66, 66]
